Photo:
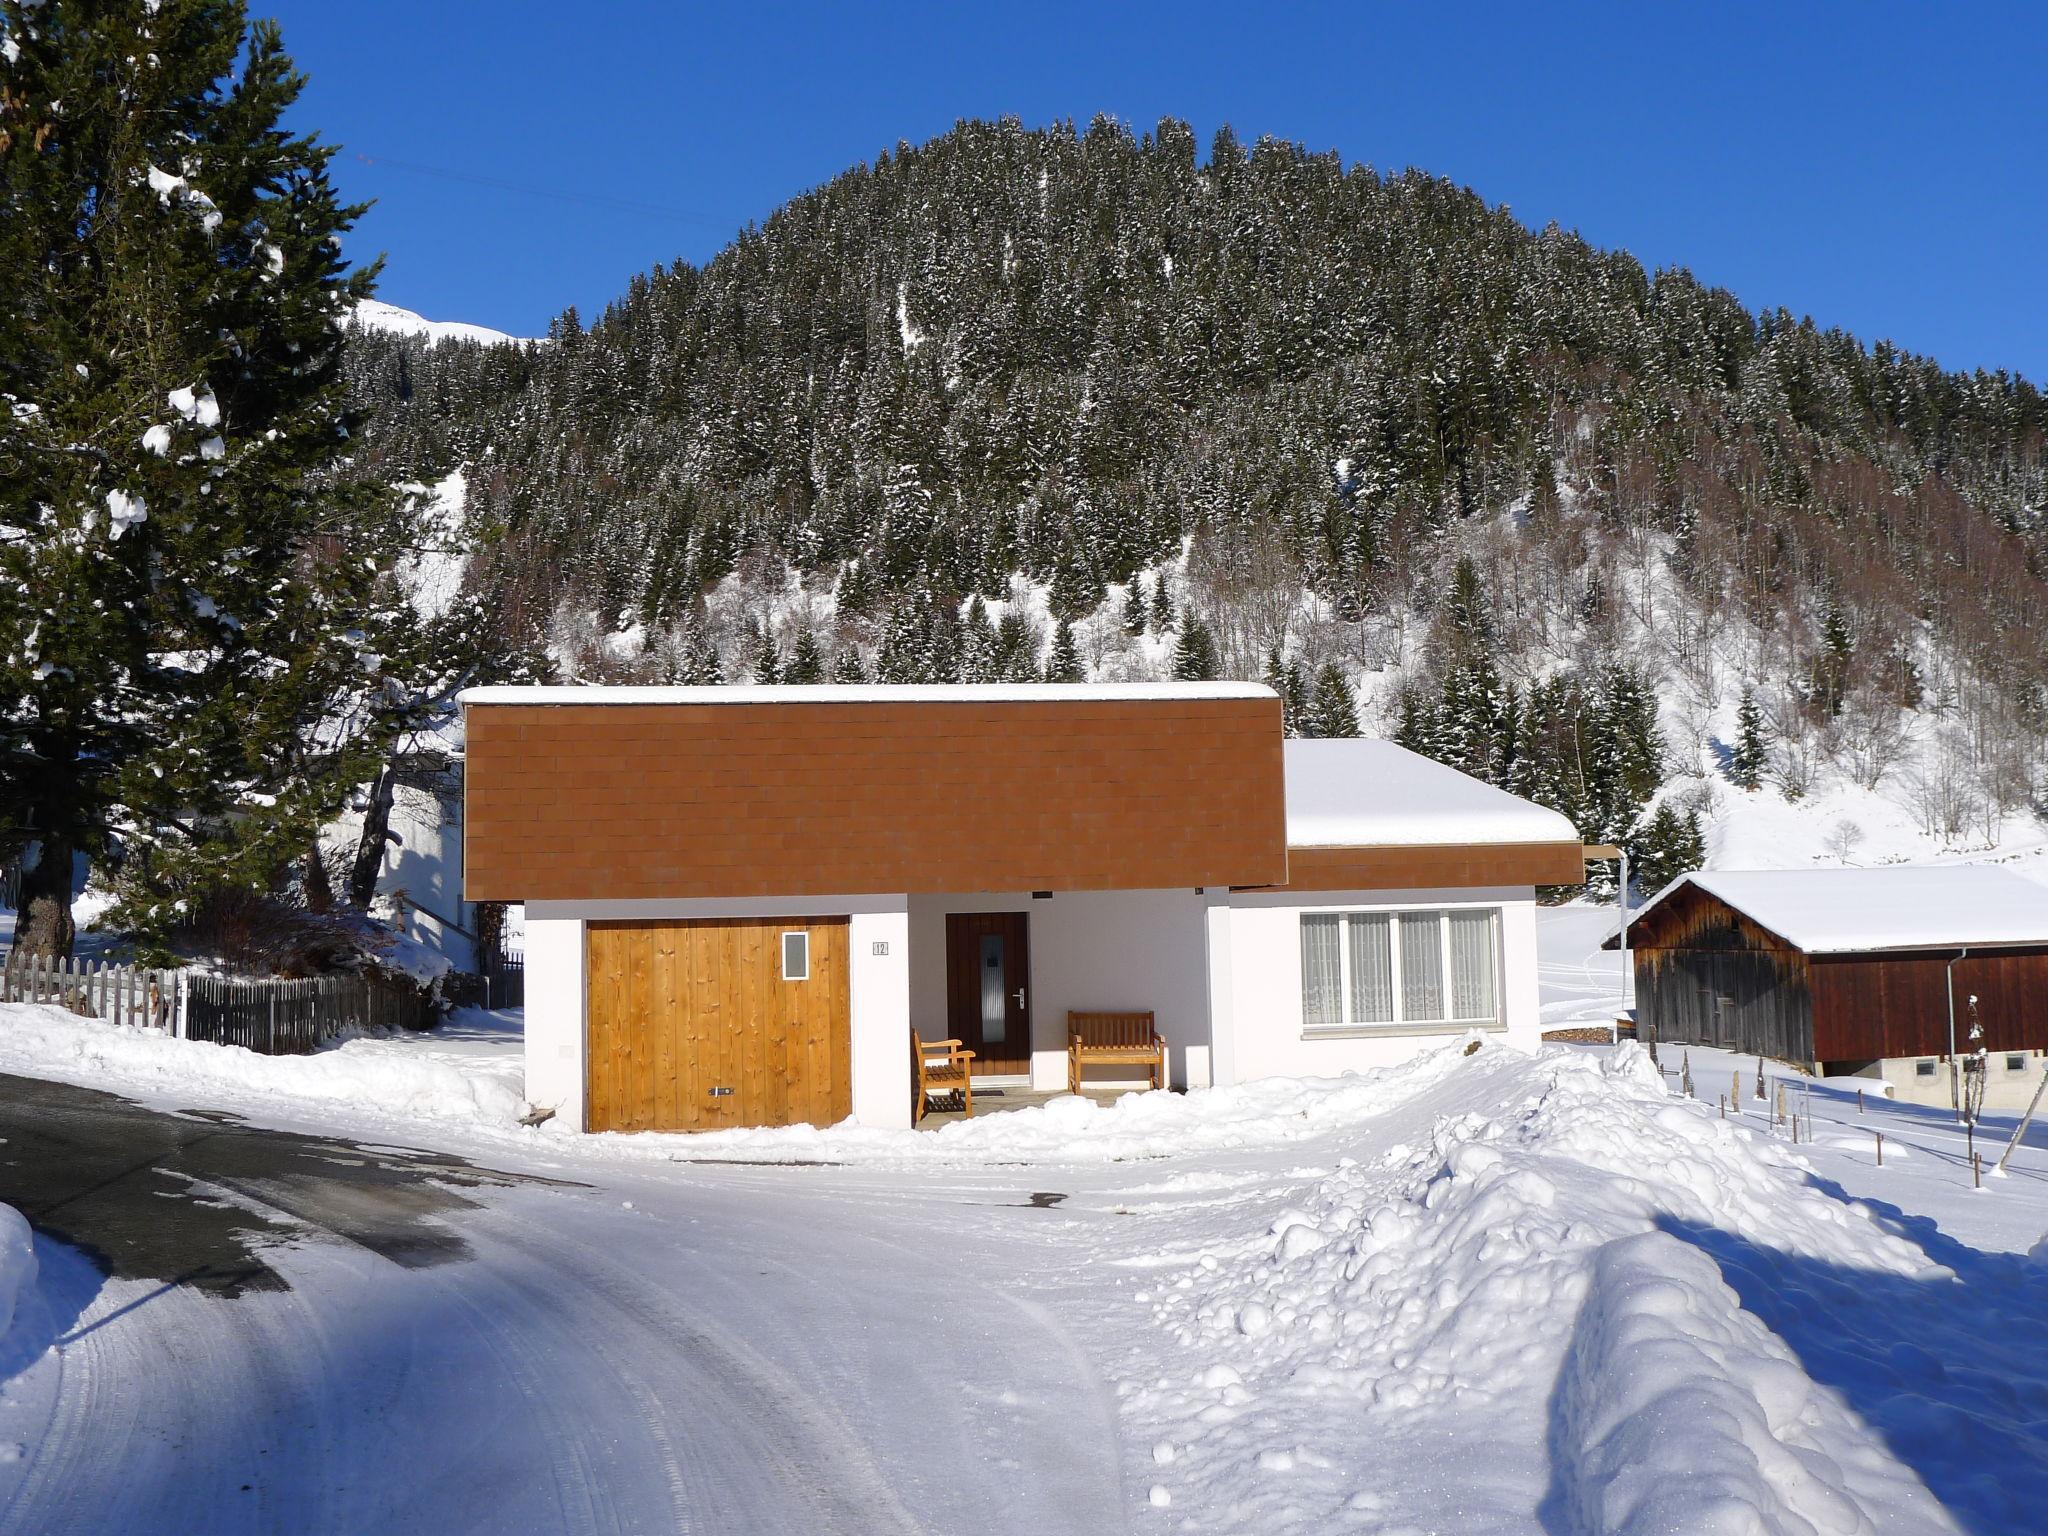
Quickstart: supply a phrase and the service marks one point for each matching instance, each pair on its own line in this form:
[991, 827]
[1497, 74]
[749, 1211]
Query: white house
[741, 902]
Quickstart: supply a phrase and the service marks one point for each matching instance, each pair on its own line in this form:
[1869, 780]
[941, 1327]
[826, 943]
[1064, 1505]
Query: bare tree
[1843, 838]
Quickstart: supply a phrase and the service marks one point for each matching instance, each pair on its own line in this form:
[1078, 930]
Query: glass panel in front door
[995, 1018]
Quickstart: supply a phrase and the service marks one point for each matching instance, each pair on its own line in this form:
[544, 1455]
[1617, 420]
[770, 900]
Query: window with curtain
[1372, 967]
[1322, 970]
[1395, 968]
[1474, 941]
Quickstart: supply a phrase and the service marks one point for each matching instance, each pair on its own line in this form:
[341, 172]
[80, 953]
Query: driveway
[241, 1329]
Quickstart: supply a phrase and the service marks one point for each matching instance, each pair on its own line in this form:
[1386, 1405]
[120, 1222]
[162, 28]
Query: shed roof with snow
[1892, 907]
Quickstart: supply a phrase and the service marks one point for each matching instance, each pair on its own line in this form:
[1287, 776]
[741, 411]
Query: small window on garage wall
[796, 957]
[1923, 1069]
[2016, 1063]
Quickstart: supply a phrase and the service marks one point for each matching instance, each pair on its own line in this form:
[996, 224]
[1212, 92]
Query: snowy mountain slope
[375, 315]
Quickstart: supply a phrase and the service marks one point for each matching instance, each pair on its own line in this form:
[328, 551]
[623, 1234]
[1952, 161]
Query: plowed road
[248, 1330]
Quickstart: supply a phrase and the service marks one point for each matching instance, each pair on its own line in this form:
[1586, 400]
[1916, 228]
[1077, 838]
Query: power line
[592, 199]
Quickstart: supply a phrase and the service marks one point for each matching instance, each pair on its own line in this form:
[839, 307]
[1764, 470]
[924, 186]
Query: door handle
[1019, 995]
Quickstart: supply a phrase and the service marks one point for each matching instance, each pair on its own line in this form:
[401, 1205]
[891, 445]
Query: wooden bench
[939, 1066]
[1094, 1038]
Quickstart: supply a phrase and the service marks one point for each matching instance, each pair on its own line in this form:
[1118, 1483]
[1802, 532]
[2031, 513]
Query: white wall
[425, 864]
[554, 1016]
[1105, 951]
[879, 984]
[1264, 1028]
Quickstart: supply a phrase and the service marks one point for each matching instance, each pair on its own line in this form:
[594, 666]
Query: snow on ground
[17, 1263]
[1511, 1310]
[1475, 1293]
[465, 1072]
[431, 573]
[1577, 981]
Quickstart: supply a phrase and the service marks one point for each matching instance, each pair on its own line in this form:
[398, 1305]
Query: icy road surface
[390, 1353]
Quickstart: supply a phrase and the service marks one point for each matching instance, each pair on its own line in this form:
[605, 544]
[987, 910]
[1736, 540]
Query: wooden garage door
[694, 1027]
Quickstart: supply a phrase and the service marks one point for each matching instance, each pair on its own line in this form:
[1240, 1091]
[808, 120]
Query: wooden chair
[1113, 1037]
[939, 1066]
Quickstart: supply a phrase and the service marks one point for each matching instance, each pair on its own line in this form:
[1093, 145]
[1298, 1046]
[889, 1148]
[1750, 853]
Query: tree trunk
[45, 927]
[362, 875]
[319, 888]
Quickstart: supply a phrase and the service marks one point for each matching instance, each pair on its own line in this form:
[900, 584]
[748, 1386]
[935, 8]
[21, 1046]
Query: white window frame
[783, 943]
[1399, 1025]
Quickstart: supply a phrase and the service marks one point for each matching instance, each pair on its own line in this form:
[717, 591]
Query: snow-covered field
[1475, 1293]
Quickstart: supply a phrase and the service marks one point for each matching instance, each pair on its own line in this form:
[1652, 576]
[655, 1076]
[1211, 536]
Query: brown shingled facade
[578, 802]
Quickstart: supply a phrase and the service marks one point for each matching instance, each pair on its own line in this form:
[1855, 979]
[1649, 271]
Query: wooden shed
[1845, 968]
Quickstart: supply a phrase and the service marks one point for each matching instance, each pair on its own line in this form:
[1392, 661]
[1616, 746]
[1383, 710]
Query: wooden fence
[274, 1018]
[290, 1018]
[505, 981]
[120, 994]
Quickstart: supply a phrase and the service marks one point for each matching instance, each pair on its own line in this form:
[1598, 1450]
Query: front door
[988, 980]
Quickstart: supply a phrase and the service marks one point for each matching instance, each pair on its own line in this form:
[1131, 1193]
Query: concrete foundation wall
[2005, 1088]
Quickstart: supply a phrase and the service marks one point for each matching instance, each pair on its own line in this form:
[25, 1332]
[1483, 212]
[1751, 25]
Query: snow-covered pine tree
[1292, 707]
[696, 657]
[1015, 655]
[1470, 719]
[765, 664]
[196, 604]
[1626, 762]
[977, 644]
[1666, 844]
[847, 667]
[806, 660]
[1063, 662]
[1131, 612]
[1752, 749]
[1332, 709]
[1162, 607]
[1194, 654]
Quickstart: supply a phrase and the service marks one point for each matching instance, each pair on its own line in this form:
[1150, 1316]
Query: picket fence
[120, 994]
[271, 1017]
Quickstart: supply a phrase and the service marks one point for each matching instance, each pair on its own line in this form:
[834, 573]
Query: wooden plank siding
[679, 1008]
[575, 802]
[1867, 1007]
[1434, 866]
[1708, 974]
[1756, 1002]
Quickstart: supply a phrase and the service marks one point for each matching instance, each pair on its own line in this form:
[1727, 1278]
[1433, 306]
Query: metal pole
[1628, 970]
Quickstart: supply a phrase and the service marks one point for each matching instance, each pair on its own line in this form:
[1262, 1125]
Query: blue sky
[1882, 168]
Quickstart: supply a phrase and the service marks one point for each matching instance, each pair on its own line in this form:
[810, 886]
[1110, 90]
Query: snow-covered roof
[862, 693]
[1361, 792]
[1895, 906]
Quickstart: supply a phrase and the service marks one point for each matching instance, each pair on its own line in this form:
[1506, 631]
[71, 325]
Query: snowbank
[402, 1077]
[1270, 1112]
[17, 1263]
[1527, 1299]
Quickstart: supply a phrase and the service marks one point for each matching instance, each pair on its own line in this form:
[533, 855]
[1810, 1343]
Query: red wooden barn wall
[1871, 1006]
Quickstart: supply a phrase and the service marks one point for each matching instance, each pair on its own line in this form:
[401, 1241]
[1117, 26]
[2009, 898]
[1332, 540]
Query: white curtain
[1473, 947]
[1422, 967]
[1322, 976]
[1372, 968]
